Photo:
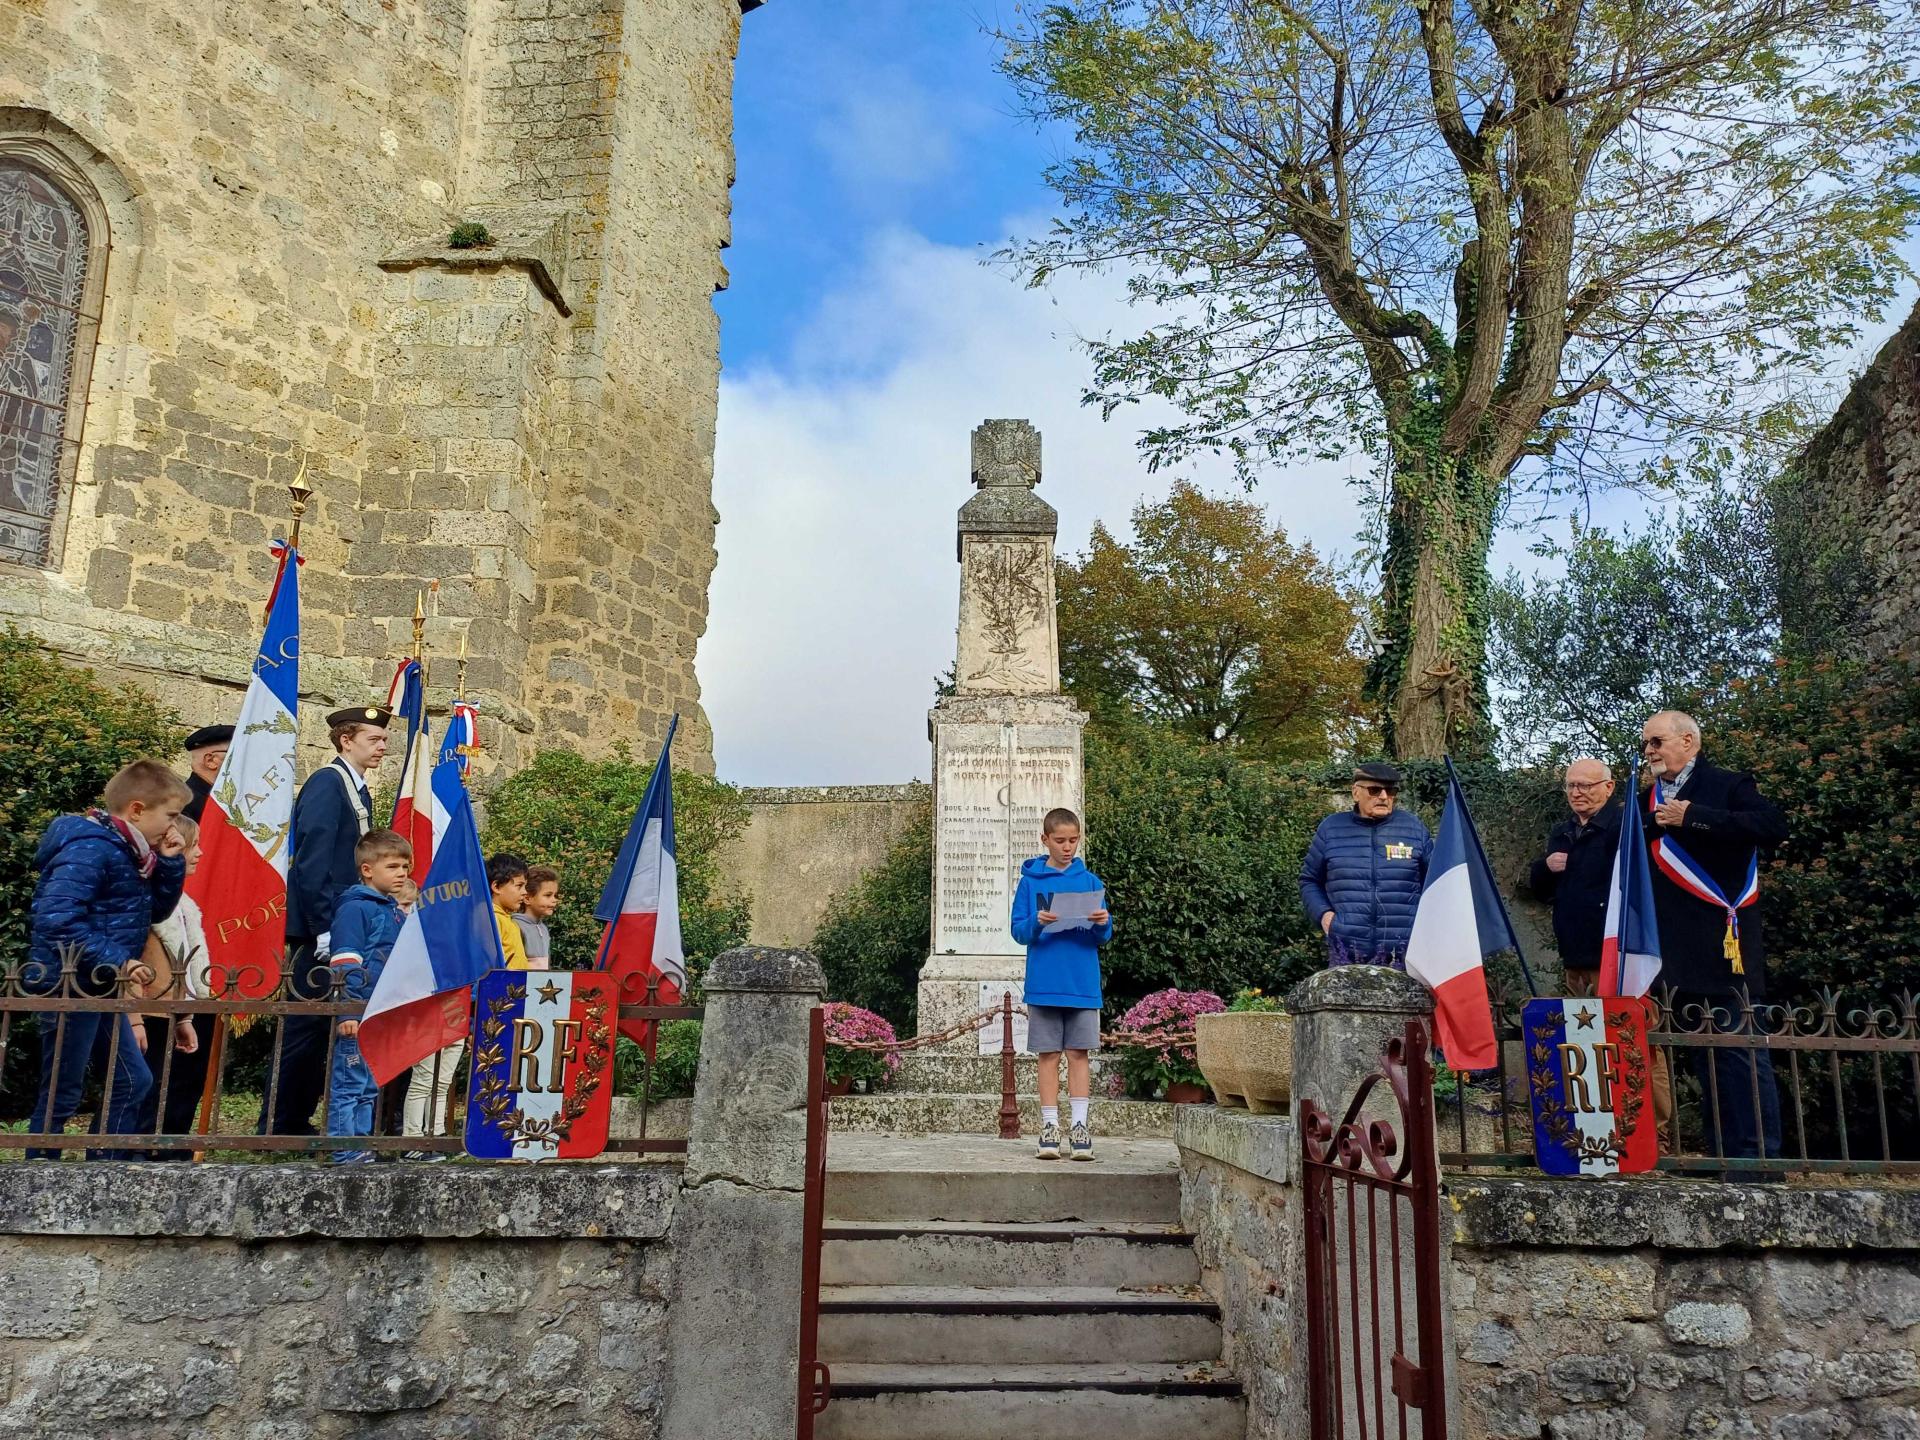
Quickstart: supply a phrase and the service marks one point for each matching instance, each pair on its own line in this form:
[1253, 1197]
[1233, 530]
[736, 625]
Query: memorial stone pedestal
[1006, 743]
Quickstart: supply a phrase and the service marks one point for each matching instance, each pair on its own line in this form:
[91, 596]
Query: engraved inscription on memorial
[995, 784]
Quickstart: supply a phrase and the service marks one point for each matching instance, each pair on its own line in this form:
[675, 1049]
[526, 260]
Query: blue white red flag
[413, 807]
[462, 740]
[421, 1002]
[241, 883]
[540, 1087]
[1460, 922]
[641, 905]
[1588, 1074]
[1630, 942]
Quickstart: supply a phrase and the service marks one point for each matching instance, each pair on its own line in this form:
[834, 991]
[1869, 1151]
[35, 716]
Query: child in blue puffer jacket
[1063, 977]
[106, 877]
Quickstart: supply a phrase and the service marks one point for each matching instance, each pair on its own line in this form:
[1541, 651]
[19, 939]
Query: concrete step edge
[1012, 1232]
[1008, 1300]
[851, 1381]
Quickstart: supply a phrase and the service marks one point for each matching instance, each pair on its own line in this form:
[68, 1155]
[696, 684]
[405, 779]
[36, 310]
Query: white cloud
[839, 470]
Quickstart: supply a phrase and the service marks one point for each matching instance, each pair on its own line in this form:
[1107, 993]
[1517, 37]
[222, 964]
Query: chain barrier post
[1009, 1107]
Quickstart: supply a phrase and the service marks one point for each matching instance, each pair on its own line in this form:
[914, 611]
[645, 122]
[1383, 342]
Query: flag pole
[1480, 851]
[626, 881]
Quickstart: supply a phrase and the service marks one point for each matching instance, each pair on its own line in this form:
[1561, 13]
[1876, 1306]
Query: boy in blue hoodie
[366, 922]
[1063, 977]
[106, 877]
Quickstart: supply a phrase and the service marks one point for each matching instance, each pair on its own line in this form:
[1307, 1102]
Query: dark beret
[1379, 772]
[209, 735]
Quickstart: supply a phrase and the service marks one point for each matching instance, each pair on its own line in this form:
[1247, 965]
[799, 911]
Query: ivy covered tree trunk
[1430, 677]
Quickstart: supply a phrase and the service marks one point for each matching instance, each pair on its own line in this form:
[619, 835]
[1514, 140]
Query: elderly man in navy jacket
[1364, 871]
[1706, 828]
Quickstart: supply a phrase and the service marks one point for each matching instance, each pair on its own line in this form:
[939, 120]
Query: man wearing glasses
[1362, 876]
[1577, 871]
[1706, 827]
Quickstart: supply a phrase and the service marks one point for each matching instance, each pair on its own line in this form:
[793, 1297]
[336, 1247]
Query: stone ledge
[1681, 1215]
[835, 794]
[532, 238]
[358, 1202]
[1261, 1145]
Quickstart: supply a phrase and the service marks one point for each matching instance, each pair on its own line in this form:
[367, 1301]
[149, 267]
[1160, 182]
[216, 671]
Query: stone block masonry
[532, 424]
[301, 1302]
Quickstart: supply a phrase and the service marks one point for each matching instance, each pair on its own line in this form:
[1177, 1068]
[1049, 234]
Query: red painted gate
[1375, 1352]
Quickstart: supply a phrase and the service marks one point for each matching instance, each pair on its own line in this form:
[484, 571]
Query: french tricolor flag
[1589, 1057]
[641, 905]
[241, 884]
[420, 1004]
[546, 1038]
[1630, 944]
[1460, 922]
[413, 809]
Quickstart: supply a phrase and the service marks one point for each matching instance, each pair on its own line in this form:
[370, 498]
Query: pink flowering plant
[848, 1025]
[1164, 1053]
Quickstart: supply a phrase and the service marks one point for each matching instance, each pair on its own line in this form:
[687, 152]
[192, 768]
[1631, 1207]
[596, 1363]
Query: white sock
[1049, 1114]
[1078, 1107]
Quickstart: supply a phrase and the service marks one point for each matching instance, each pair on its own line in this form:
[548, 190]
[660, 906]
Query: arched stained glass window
[43, 281]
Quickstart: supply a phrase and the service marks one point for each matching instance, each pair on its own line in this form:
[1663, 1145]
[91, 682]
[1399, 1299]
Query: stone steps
[936, 1252]
[975, 1292]
[1087, 1400]
[893, 1112]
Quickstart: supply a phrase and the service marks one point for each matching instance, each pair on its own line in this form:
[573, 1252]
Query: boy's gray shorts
[1055, 1027]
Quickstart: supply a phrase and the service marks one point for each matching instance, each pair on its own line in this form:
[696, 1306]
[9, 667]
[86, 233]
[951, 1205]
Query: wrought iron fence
[1740, 1087]
[187, 1065]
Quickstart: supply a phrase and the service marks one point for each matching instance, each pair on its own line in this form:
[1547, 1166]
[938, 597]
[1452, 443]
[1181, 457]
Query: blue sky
[878, 165]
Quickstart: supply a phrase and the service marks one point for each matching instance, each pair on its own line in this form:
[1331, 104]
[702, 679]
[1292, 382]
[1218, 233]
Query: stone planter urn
[1247, 1057]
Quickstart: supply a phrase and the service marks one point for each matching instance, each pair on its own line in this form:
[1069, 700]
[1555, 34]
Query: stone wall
[303, 1302]
[1860, 477]
[804, 845]
[531, 423]
[1650, 1308]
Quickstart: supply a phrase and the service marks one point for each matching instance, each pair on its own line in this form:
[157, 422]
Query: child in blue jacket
[106, 878]
[1063, 977]
[366, 922]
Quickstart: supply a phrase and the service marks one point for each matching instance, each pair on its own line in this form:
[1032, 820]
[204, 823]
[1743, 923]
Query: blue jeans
[1739, 1129]
[84, 1041]
[351, 1091]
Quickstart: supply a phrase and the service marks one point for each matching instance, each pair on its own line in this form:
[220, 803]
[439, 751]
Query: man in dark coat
[332, 811]
[1576, 872]
[1363, 873]
[206, 751]
[1706, 827]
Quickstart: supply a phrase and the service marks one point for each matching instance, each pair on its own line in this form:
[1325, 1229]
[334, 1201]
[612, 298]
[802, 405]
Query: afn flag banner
[421, 1002]
[541, 1084]
[641, 905]
[241, 884]
[1589, 1077]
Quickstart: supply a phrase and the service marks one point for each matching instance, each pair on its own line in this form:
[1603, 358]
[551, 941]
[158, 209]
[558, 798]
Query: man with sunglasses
[1706, 828]
[1576, 872]
[1362, 876]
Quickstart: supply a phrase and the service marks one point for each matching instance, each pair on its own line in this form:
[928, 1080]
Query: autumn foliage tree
[1213, 622]
[1492, 243]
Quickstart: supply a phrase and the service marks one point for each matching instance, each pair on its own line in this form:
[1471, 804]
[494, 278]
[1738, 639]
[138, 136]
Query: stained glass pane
[43, 277]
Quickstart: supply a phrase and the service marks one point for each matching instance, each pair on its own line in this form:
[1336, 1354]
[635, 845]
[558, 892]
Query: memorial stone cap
[1006, 467]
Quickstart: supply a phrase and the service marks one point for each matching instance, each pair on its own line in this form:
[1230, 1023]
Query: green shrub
[1200, 852]
[876, 934]
[469, 235]
[62, 735]
[676, 1057]
[571, 813]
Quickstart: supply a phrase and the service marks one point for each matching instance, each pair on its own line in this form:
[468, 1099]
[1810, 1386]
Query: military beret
[1379, 772]
[361, 715]
[209, 735]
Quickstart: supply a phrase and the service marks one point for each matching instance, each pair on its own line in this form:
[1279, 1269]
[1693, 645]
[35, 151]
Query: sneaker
[1049, 1142]
[353, 1157]
[425, 1157]
[1082, 1141]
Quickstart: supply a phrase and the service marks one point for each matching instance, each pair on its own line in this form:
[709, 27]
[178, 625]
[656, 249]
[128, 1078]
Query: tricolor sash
[1684, 871]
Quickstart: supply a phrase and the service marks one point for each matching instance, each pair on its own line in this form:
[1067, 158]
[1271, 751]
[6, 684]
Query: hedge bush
[62, 735]
[571, 813]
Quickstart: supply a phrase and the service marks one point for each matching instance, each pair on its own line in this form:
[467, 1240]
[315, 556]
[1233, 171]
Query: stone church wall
[530, 423]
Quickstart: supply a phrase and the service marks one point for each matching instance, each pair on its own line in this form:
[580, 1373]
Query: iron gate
[815, 1381]
[1372, 1204]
